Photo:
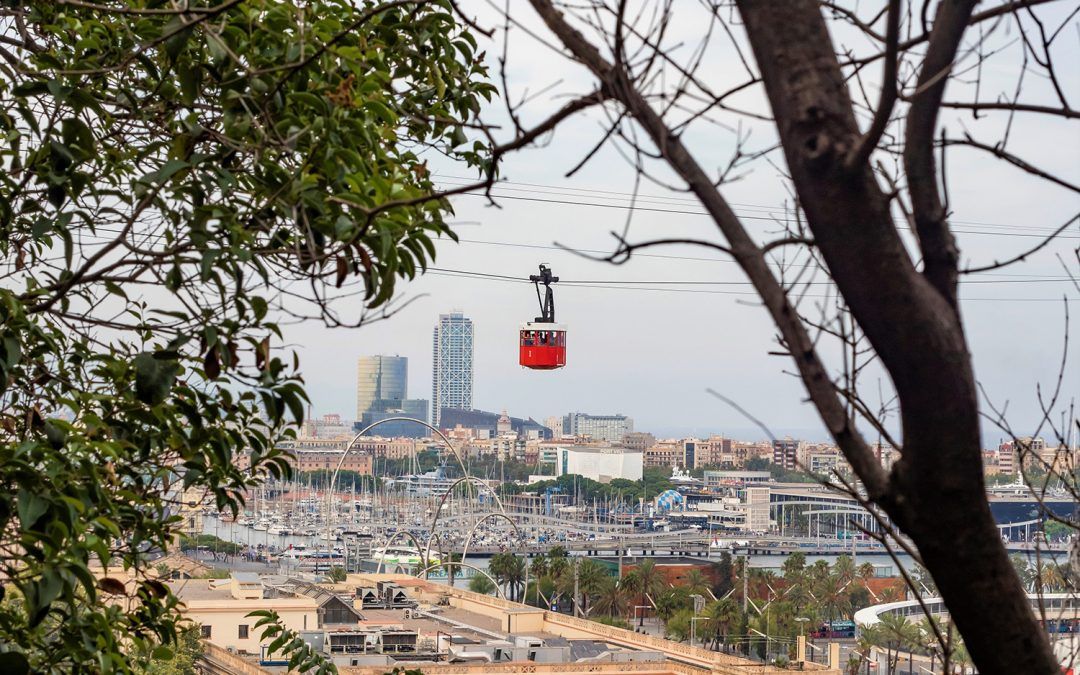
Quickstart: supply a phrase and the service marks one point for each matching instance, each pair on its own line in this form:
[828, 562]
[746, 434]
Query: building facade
[664, 454]
[411, 407]
[597, 463]
[484, 425]
[785, 453]
[555, 425]
[382, 392]
[638, 440]
[452, 364]
[380, 378]
[717, 479]
[607, 428]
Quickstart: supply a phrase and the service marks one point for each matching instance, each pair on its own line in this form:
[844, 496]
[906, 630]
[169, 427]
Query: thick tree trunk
[936, 492]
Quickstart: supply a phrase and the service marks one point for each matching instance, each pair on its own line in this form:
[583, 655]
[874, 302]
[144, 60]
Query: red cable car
[542, 344]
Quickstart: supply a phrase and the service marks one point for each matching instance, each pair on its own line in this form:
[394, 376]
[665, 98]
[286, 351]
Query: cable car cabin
[542, 346]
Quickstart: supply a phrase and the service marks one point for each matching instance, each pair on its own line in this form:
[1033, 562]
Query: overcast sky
[651, 354]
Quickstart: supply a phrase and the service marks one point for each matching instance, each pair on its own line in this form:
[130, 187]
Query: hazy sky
[652, 353]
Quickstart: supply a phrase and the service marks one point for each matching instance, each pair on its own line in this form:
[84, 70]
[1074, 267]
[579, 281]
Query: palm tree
[696, 583]
[794, 566]
[539, 566]
[866, 571]
[610, 598]
[509, 570]
[647, 583]
[590, 577]
[864, 644]
[1048, 577]
[538, 569]
[897, 634]
[516, 573]
[829, 591]
[844, 568]
[452, 569]
[557, 562]
[670, 602]
[497, 567]
[723, 614]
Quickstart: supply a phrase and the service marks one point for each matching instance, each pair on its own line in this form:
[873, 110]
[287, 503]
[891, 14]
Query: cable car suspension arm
[547, 303]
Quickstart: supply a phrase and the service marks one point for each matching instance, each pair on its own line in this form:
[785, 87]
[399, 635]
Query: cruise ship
[432, 483]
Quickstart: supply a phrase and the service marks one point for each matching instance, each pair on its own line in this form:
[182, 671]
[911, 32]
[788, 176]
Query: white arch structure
[442, 502]
[472, 532]
[359, 434]
[426, 550]
[424, 559]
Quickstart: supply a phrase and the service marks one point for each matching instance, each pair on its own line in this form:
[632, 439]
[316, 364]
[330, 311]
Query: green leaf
[190, 78]
[32, 506]
[154, 377]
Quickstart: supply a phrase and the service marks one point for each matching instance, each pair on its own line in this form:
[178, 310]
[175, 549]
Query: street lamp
[692, 630]
[641, 622]
[801, 620]
[754, 630]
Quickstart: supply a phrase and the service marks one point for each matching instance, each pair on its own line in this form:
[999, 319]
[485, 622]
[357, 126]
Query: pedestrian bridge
[1059, 612]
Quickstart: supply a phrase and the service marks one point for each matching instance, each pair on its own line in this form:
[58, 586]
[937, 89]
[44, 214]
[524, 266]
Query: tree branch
[1000, 153]
[869, 141]
[936, 242]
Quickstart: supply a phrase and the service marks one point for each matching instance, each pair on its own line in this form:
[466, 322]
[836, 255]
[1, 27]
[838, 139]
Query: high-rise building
[381, 390]
[785, 453]
[610, 428]
[380, 378]
[452, 364]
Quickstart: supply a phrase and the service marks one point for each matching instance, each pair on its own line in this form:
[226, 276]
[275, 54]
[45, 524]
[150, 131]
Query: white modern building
[598, 463]
[452, 364]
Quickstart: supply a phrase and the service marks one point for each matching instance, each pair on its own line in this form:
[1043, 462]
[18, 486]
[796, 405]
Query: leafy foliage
[302, 657]
[179, 660]
[174, 181]
[481, 584]
[337, 574]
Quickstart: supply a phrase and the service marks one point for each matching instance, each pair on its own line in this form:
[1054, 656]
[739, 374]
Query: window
[206, 632]
[242, 633]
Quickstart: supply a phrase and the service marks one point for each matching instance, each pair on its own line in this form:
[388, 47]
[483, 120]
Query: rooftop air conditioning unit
[408, 614]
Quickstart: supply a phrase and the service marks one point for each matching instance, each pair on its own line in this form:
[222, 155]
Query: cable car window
[543, 337]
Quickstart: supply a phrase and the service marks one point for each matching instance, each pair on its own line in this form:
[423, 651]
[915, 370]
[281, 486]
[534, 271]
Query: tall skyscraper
[380, 378]
[381, 390]
[452, 364]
